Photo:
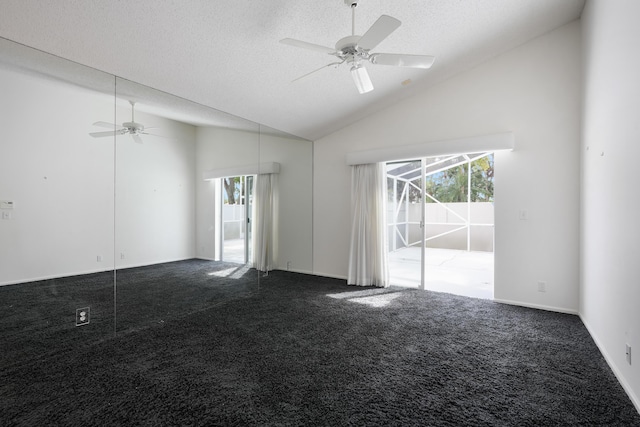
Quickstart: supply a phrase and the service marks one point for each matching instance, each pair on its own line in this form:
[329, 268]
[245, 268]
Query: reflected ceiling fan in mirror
[132, 128]
[356, 49]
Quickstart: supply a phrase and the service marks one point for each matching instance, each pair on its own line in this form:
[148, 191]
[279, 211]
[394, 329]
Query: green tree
[450, 186]
[482, 179]
[234, 189]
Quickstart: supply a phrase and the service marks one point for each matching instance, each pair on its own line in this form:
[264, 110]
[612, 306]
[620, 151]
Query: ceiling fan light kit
[355, 49]
[361, 78]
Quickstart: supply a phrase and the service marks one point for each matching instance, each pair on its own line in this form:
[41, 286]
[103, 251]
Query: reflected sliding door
[236, 217]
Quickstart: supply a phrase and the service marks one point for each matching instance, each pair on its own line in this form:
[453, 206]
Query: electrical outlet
[542, 286]
[288, 265]
[82, 316]
[523, 215]
[121, 255]
[628, 353]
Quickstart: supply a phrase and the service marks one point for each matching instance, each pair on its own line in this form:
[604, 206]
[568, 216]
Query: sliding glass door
[405, 222]
[440, 222]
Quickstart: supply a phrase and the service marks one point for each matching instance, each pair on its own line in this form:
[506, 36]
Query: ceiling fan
[355, 49]
[132, 128]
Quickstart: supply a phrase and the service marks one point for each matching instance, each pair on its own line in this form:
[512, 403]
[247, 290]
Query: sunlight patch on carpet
[376, 300]
[370, 297]
[233, 272]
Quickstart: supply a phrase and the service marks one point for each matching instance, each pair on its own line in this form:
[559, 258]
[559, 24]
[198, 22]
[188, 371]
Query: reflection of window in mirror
[235, 219]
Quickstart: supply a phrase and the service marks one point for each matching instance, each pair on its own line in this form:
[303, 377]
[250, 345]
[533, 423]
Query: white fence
[234, 221]
[448, 226]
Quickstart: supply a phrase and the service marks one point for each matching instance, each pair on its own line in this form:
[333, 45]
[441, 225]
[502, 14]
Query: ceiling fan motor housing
[133, 127]
[347, 49]
[348, 45]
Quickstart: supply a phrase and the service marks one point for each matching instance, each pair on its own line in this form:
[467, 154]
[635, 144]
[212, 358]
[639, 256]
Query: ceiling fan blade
[103, 134]
[136, 138]
[105, 125]
[306, 45]
[153, 134]
[379, 31]
[315, 71]
[399, 60]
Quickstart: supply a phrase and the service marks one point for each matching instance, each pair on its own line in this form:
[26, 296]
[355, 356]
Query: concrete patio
[447, 270]
[233, 251]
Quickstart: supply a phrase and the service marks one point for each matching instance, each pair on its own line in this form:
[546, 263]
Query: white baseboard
[56, 276]
[332, 276]
[83, 272]
[146, 264]
[538, 306]
[607, 357]
[295, 270]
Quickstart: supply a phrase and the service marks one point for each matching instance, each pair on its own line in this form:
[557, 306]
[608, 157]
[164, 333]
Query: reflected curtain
[264, 222]
[368, 265]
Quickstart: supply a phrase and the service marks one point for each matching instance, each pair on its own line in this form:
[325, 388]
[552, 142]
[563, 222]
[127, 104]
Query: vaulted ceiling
[226, 54]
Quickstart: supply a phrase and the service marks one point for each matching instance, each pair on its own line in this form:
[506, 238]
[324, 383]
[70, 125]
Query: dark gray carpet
[197, 349]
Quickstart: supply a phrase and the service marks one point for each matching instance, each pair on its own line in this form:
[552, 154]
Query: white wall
[62, 182]
[155, 192]
[534, 91]
[60, 179]
[610, 230]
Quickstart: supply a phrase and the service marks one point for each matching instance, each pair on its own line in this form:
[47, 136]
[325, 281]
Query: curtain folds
[368, 265]
[264, 222]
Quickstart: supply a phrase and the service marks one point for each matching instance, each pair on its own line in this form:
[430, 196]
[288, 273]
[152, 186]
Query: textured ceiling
[226, 54]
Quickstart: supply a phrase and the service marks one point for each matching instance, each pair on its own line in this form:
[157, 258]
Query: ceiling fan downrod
[133, 105]
[352, 4]
[132, 127]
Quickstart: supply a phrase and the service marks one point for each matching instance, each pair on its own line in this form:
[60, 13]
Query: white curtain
[264, 224]
[368, 264]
